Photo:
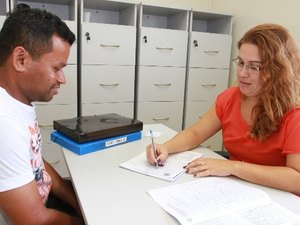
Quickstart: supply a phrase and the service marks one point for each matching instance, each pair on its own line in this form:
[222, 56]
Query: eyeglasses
[251, 69]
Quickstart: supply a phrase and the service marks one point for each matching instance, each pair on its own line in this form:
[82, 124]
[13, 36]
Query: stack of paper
[215, 200]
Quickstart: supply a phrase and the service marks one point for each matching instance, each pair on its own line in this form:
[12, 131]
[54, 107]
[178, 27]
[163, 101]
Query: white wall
[250, 13]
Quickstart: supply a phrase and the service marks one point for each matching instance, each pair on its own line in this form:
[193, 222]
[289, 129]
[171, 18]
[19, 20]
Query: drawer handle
[164, 49]
[163, 118]
[163, 85]
[211, 51]
[109, 85]
[109, 46]
[208, 85]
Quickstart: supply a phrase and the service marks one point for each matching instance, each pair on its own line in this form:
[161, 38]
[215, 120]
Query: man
[34, 48]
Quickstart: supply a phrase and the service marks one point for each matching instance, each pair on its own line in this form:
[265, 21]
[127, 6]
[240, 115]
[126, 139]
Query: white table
[112, 195]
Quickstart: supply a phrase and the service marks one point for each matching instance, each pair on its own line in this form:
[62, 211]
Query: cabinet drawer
[124, 109]
[215, 142]
[73, 53]
[52, 153]
[47, 113]
[195, 110]
[163, 47]
[107, 84]
[209, 50]
[161, 83]
[108, 44]
[167, 113]
[206, 84]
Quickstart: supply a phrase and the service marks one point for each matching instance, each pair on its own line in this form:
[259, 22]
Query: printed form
[217, 200]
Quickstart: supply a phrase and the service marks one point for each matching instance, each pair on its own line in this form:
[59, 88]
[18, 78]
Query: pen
[153, 147]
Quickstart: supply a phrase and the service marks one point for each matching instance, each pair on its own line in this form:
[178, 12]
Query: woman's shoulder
[293, 114]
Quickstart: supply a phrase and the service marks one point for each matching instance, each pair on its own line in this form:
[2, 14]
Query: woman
[260, 119]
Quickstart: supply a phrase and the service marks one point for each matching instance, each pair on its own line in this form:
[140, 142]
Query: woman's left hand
[202, 167]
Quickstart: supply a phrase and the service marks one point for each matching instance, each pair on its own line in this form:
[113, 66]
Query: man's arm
[24, 205]
[62, 188]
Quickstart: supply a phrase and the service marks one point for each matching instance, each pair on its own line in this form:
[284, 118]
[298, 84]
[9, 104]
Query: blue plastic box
[93, 146]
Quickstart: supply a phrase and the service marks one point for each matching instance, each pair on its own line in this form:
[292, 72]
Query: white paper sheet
[172, 169]
[214, 200]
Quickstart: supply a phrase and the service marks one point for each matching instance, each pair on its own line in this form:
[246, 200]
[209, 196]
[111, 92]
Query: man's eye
[56, 70]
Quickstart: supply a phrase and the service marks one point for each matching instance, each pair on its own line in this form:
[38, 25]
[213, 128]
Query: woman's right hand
[161, 152]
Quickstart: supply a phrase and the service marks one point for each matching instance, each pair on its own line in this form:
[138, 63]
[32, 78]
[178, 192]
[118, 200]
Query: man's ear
[20, 58]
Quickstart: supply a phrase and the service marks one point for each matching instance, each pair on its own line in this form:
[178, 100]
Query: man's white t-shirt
[20, 147]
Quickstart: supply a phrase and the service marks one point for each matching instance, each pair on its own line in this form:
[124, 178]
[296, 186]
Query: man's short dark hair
[32, 29]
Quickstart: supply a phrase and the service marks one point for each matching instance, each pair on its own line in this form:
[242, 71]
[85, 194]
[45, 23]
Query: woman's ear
[20, 58]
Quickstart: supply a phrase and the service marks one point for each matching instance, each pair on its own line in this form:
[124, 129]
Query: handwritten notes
[172, 169]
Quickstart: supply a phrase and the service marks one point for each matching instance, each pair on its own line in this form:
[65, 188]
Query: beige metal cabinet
[208, 66]
[162, 49]
[108, 57]
[203, 87]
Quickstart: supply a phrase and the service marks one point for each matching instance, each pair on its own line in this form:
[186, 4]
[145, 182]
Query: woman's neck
[247, 105]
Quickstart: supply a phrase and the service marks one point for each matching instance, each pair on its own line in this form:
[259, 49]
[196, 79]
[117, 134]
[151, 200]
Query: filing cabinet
[162, 48]
[208, 66]
[108, 57]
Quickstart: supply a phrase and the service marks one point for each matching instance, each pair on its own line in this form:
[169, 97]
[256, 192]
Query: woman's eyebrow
[254, 61]
[259, 62]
